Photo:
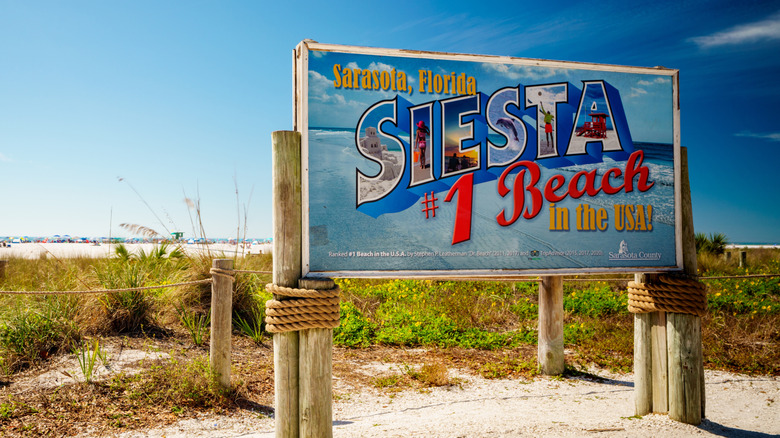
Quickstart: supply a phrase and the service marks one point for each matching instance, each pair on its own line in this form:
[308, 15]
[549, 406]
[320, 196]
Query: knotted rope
[224, 273]
[668, 294]
[311, 309]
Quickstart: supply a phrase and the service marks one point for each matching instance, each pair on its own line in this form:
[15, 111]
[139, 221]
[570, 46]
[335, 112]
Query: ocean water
[341, 238]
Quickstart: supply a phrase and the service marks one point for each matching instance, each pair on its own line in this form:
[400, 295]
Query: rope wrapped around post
[675, 294]
[223, 272]
[310, 309]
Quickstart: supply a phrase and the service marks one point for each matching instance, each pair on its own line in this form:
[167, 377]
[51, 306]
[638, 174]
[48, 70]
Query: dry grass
[163, 392]
[435, 374]
[740, 344]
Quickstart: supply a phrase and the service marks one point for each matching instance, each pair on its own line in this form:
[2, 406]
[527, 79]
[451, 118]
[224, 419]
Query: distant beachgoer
[452, 164]
[420, 141]
[548, 118]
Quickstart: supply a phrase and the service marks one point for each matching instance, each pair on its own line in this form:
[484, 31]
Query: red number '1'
[465, 186]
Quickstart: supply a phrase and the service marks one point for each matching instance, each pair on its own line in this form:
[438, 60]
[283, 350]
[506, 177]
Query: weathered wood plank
[316, 371]
[685, 360]
[643, 378]
[660, 366]
[220, 348]
[550, 347]
[287, 268]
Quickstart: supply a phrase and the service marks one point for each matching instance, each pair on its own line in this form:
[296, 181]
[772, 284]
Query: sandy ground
[66, 250]
[737, 406]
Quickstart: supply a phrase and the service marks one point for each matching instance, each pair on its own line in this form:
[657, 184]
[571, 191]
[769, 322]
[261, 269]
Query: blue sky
[114, 112]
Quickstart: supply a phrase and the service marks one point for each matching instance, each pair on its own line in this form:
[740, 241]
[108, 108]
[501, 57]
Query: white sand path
[737, 406]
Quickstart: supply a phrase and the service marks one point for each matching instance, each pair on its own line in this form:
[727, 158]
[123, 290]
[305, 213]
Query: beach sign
[439, 164]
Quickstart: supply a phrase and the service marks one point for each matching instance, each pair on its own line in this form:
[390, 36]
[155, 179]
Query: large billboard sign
[438, 164]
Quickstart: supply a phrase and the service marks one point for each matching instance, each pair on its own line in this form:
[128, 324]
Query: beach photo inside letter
[467, 164]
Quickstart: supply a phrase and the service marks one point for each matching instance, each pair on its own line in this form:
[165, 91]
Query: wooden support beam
[643, 377]
[220, 348]
[550, 346]
[287, 266]
[316, 371]
[660, 363]
[683, 331]
[650, 357]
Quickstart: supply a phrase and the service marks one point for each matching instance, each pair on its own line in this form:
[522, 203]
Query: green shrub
[29, 335]
[595, 300]
[574, 334]
[747, 296]
[354, 330]
[129, 311]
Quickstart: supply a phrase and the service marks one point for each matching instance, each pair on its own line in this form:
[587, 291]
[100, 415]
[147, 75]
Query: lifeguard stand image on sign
[596, 128]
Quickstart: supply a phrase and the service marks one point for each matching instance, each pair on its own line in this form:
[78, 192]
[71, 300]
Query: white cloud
[774, 136]
[380, 66]
[514, 72]
[318, 86]
[5, 159]
[636, 92]
[318, 81]
[659, 80]
[764, 30]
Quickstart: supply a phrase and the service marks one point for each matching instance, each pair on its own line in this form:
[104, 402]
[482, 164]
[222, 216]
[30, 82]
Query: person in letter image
[420, 141]
[548, 118]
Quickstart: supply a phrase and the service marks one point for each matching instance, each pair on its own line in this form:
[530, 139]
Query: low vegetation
[489, 328]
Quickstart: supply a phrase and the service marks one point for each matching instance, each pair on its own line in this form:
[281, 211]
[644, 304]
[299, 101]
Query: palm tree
[718, 242]
[715, 243]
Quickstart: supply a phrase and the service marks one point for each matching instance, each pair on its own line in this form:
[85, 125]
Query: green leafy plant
[88, 356]
[197, 324]
[387, 381]
[355, 330]
[252, 325]
[30, 335]
[594, 300]
[12, 408]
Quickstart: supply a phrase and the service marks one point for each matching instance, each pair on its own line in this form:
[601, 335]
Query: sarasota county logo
[624, 254]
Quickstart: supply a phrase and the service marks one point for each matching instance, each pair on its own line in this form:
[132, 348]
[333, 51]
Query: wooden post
[650, 368]
[221, 322]
[643, 378]
[550, 348]
[685, 360]
[660, 363]
[742, 259]
[3, 264]
[316, 370]
[287, 264]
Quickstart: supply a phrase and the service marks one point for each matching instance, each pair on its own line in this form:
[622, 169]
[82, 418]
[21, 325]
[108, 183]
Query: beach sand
[737, 406]
[69, 250]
